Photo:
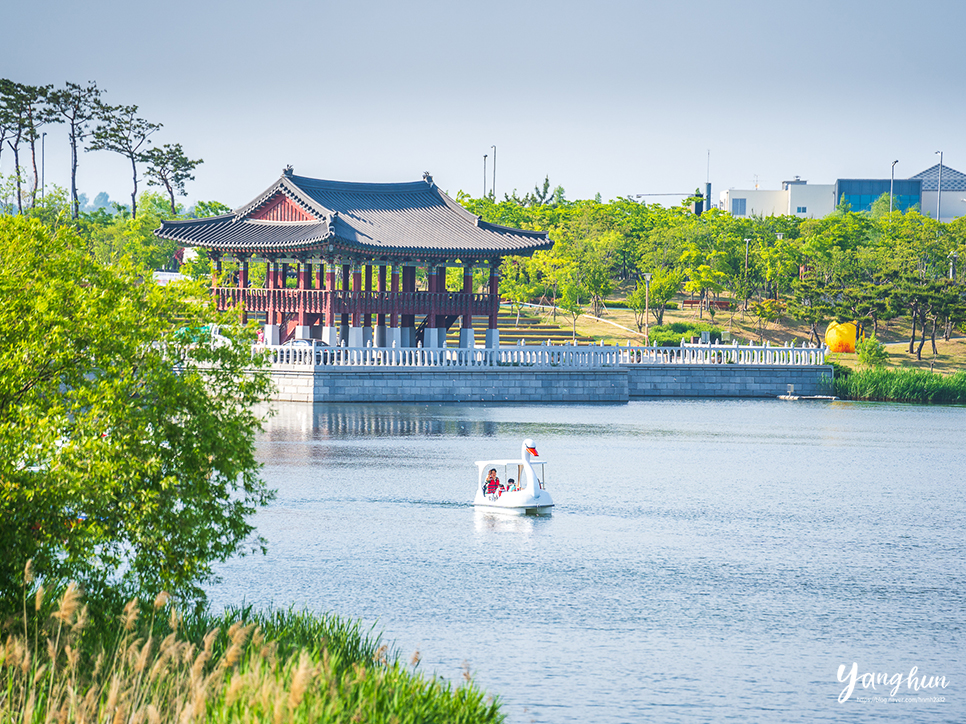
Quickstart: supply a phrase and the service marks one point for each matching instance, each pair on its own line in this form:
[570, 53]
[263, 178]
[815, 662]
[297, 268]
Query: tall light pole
[494, 173]
[484, 175]
[647, 309]
[892, 182]
[939, 196]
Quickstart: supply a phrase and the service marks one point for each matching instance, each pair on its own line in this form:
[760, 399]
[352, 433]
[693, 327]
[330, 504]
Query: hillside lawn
[894, 335]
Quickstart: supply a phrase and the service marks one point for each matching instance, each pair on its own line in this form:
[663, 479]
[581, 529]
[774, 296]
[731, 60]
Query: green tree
[121, 130]
[127, 456]
[22, 112]
[168, 166]
[204, 209]
[571, 293]
[810, 303]
[122, 238]
[77, 106]
[871, 352]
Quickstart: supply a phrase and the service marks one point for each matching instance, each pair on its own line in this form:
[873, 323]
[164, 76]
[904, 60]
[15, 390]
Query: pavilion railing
[314, 301]
[543, 356]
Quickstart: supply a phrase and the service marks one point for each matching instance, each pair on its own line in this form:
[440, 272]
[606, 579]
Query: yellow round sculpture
[840, 337]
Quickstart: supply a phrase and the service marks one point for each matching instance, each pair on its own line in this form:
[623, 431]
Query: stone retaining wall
[605, 384]
[372, 384]
[724, 380]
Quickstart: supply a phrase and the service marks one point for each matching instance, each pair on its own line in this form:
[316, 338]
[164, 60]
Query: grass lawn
[618, 326]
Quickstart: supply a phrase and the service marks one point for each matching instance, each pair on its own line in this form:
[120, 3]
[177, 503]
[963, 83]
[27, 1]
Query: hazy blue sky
[615, 97]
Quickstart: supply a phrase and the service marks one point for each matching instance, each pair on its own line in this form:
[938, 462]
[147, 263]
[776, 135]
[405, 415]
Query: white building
[813, 201]
[796, 198]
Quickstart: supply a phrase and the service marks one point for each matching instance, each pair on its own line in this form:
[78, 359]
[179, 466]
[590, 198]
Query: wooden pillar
[330, 295]
[242, 288]
[346, 286]
[304, 278]
[367, 278]
[381, 284]
[356, 294]
[394, 290]
[408, 321]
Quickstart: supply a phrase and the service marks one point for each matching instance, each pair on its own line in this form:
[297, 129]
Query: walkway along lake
[708, 560]
[543, 373]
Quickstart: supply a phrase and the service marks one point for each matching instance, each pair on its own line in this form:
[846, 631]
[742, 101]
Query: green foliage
[871, 352]
[204, 209]
[168, 166]
[132, 240]
[670, 335]
[839, 370]
[126, 454]
[240, 667]
[122, 131]
[903, 385]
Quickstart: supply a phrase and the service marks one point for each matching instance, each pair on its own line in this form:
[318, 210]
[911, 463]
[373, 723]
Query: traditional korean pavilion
[355, 249]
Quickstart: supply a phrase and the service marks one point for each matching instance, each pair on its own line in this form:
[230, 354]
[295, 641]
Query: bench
[716, 303]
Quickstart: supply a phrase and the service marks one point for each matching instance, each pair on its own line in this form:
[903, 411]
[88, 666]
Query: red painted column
[344, 319]
[320, 276]
[270, 286]
[242, 287]
[394, 291]
[367, 275]
[381, 282]
[356, 294]
[330, 295]
[303, 286]
[409, 289]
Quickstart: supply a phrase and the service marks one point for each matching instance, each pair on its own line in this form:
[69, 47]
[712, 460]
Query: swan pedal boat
[531, 497]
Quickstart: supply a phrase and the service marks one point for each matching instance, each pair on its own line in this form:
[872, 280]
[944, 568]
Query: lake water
[707, 560]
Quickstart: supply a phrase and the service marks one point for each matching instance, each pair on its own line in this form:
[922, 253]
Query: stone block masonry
[616, 384]
[646, 381]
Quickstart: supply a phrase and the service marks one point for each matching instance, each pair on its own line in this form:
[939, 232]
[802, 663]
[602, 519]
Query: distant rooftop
[953, 180]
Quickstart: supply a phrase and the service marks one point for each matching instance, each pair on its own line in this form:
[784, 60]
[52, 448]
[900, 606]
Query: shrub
[872, 353]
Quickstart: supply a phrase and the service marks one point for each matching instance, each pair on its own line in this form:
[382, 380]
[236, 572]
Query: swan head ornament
[530, 448]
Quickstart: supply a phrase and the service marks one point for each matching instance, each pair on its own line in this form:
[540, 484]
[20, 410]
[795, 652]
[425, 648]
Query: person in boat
[493, 485]
[511, 485]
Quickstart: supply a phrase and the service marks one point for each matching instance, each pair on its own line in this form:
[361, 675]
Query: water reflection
[327, 422]
[486, 521]
[706, 559]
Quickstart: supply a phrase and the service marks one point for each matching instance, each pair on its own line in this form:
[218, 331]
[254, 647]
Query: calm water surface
[706, 561]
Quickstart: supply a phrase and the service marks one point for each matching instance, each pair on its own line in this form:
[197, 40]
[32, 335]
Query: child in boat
[511, 485]
[493, 485]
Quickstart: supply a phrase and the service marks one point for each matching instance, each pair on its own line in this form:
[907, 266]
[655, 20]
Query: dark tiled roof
[953, 180]
[401, 219]
[231, 233]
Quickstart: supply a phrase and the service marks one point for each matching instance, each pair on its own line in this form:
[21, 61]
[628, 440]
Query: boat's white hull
[516, 503]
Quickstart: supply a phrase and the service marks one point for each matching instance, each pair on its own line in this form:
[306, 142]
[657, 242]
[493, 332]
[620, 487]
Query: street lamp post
[494, 173]
[892, 181]
[484, 175]
[939, 196]
[647, 309]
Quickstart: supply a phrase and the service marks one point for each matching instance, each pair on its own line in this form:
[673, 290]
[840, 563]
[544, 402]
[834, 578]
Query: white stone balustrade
[544, 356]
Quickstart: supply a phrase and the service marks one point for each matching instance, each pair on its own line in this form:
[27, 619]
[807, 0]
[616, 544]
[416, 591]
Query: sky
[613, 97]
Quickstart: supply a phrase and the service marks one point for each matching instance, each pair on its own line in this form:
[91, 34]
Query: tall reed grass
[902, 385]
[260, 667]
